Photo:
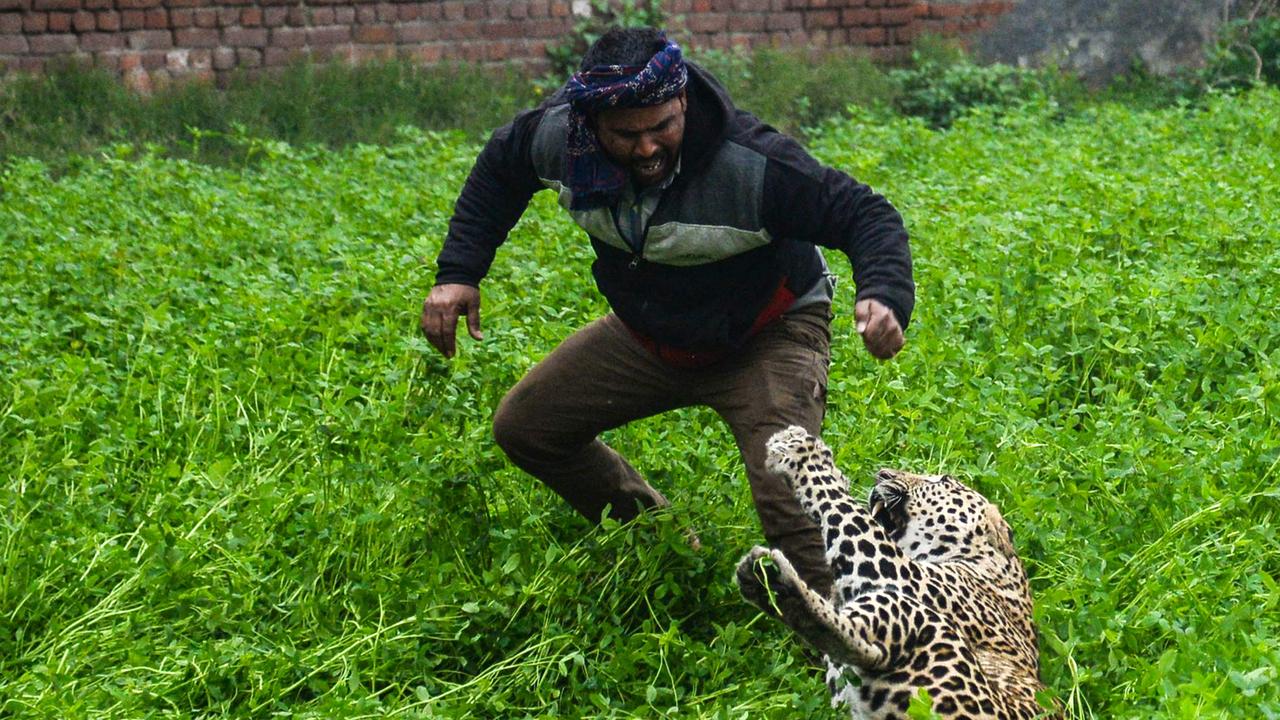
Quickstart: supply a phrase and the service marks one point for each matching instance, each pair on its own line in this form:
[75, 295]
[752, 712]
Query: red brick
[245, 37]
[746, 6]
[251, 17]
[519, 10]
[35, 22]
[475, 11]
[200, 59]
[107, 60]
[344, 15]
[11, 23]
[858, 16]
[408, 12]
[746, 22]
[59, 22]
[906, 33]
[387, 12]
[157, 19]
[288, 38]
[366, 15]
[274, 16]
[97, 4]
[14, 44]
[822, 19]
[150, 40]
[132, 19]
[248, 57]
[137, 4]
[417, 32]
[108, 20]
[374, 34]
[537, 8]
[503, 30]
[708, 23]
[559, 9]
[205, 18]
[182, 18]
[224, 58]
[297, 16]
[228, 16]
[500, 51]
[457, 10]
[56, 4]
[51, 44]
[327, 36]
[897, 16]
[322, 16]
[784, 21]
[868, 36]
[196, 37]
[96, 41]
[427, 54]
[947, 11]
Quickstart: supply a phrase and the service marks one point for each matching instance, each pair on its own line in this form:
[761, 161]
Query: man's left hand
[879, 328]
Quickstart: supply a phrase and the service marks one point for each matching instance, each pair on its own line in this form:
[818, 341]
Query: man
[704, 222]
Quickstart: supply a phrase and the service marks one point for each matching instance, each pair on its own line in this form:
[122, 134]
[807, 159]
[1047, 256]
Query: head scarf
[594, 179]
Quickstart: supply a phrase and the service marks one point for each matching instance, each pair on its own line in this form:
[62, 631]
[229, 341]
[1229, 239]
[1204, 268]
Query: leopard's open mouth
[888, 507]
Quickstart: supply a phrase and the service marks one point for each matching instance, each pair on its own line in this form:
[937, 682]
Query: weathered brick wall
[148, 41]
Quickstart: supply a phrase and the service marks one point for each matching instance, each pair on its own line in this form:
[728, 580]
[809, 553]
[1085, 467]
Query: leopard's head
[936, 517]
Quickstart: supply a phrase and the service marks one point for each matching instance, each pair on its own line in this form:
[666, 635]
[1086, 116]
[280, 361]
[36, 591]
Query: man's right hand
[440, 313]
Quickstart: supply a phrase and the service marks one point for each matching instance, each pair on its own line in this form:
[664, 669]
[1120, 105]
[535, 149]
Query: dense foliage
[237, 483]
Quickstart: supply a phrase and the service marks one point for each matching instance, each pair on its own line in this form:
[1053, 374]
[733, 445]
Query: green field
[238, 483]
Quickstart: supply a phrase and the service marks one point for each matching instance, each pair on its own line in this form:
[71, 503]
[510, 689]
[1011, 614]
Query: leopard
[929, 593]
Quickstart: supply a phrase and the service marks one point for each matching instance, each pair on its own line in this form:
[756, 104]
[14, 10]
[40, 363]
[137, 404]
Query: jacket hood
[706, 119]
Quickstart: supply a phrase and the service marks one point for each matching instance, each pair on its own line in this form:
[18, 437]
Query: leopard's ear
[999, 534]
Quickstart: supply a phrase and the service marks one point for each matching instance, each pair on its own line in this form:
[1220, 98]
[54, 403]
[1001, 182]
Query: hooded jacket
[731, 242]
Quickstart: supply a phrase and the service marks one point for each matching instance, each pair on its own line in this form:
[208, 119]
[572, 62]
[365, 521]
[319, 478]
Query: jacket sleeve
[494, 197]
[804, 200]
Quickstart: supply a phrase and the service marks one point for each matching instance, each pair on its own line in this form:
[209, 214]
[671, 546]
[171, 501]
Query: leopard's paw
[765, 576]
[785, 450]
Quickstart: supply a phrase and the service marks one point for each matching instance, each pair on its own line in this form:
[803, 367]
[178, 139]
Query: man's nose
[645, 147]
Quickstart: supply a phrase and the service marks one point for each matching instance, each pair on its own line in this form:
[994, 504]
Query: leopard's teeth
[877, 507]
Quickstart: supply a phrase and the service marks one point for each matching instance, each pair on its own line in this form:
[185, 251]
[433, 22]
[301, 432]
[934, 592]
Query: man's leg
[597, 379]
[780, 380]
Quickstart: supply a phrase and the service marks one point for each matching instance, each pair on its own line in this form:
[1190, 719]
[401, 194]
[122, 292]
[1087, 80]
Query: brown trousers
[601, 377]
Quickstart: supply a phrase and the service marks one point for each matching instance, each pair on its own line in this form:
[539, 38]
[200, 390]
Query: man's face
[645, 141]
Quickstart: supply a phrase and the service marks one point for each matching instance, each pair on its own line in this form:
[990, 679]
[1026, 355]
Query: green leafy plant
[941, 93]
[239, 484]
[1248, 48]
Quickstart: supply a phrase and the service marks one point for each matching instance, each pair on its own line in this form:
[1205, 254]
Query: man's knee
[511, 423]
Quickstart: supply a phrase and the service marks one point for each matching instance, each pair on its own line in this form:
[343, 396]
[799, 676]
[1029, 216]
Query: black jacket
[741, 218]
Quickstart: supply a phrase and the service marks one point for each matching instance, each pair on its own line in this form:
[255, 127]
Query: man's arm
[494, 197]
[804, 200]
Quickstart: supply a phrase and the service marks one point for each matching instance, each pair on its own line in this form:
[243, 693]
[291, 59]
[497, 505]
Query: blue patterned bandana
[594, 179]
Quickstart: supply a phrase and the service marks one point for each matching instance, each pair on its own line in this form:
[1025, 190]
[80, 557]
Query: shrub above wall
[149, 41]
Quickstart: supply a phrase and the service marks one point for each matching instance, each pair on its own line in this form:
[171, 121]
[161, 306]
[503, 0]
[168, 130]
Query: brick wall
[149, 41]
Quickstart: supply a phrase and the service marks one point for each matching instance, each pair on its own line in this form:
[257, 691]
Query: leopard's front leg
[861, 555]
[768, 580]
